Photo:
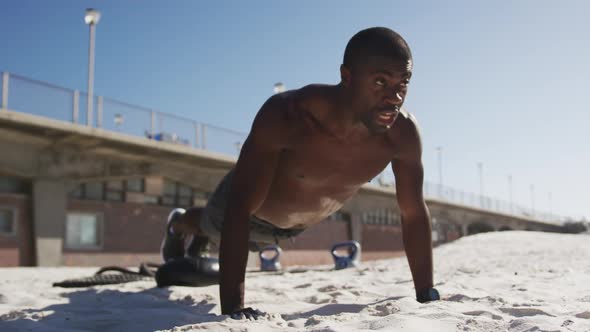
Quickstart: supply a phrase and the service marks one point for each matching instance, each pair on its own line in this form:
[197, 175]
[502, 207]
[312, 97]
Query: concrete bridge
[78, 190]
[55, 157]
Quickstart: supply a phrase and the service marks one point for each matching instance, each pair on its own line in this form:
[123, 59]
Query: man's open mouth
[387, 117]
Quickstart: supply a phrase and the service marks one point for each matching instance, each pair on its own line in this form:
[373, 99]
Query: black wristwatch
[427, 295]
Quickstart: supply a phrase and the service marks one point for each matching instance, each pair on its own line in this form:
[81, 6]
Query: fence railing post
[89, 109]
[153, 124]
[99, 112]
[203, 137]
[5, 78]
[197, 137]
[76, 108]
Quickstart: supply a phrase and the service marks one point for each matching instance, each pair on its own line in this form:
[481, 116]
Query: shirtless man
[308, 152]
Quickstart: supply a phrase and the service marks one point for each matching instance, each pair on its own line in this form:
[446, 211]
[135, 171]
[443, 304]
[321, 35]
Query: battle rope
[102, 277]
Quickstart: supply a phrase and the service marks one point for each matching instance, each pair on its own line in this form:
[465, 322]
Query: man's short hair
[377, 41]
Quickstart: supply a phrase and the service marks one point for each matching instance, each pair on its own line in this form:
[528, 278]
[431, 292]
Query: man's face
[378, 89]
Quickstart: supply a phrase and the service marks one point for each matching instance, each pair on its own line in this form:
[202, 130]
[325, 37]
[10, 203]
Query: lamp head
[279, 87]
[92, 16]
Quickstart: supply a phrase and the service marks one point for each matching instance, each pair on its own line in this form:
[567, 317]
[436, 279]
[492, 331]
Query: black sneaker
[173, 244]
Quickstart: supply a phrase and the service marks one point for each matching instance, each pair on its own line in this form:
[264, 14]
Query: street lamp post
[91, 18]
[510, 192]
[440, 172]
[550, 196]
[480, 171]
[532, 187]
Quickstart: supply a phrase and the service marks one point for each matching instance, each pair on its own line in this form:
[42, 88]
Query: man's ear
[344, 75]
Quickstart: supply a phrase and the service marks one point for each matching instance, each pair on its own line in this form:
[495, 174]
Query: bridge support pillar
[49, 215]
[464, 229]
[356, 227]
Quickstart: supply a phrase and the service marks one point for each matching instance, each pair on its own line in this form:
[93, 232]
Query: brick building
[121, 222]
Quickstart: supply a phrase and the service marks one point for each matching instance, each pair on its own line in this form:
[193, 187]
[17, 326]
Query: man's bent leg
[173, 243]
[188, 222]
[183, 226]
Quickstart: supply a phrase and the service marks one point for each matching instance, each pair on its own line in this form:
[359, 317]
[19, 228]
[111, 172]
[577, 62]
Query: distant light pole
[91, 18]
[480, 170]
[550, 196]
[440, 172]
[532, 188]
[510, 192]
[279, 87]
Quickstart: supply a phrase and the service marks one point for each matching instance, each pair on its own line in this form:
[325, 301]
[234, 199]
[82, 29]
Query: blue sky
[497, 82]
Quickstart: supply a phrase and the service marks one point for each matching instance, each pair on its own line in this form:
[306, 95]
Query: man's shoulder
[406, 126]
[289, 106]
[277, 119]
[407, 117]
[277, 114]
[406, 131]
[313, 97]
[297, 96]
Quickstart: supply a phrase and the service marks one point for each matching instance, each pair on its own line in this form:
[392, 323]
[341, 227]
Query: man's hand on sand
[247, 313]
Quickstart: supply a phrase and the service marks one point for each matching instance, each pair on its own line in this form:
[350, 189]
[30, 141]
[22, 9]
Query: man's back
[323, 160]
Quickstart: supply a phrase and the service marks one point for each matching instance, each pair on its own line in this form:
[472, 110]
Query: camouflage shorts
[262, 233]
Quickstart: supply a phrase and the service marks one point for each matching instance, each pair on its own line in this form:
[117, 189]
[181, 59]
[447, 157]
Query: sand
[508, 281]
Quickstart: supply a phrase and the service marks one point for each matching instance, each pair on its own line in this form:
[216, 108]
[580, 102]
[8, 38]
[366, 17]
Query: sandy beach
[507, 281]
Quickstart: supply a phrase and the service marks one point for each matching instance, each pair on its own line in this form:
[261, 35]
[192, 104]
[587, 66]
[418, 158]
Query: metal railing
[26, 95]
[448, 194]
[435, 191]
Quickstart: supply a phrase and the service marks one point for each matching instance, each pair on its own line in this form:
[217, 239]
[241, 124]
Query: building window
[78, 192]
[135, 185]
[114, 190]
[114, 196]
[339, 216]
[169, 194]
[116, 185]
[94, 191]
[7, 221]
[169, 187]
[149, 199]
[83, 230]
[14, 186]
[381, 217]
[185, 196]
[177, 194]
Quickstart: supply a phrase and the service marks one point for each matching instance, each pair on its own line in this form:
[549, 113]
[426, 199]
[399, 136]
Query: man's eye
[380, 82]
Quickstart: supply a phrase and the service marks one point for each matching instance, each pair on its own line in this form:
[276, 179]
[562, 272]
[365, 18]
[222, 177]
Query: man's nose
[394, 99]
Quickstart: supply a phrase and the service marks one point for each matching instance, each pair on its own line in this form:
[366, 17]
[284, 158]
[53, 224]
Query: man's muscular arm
[409, 175]
[252, 179]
